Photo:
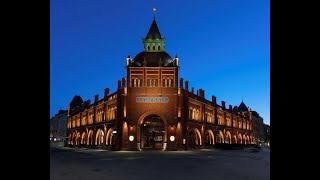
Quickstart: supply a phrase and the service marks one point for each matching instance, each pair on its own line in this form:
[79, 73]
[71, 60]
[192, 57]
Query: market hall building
[155, 109]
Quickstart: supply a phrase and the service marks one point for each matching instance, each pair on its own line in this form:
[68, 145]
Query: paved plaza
[95, 164]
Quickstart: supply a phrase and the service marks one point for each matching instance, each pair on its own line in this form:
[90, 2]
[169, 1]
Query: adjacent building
[258, 128]
[266, 134]
[58, 127]
[153, 108]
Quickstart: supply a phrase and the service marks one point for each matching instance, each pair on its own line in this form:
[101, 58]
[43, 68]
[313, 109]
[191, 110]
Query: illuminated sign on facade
[152, 99]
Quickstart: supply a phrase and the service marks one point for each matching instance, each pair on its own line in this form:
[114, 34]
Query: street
[95, 164]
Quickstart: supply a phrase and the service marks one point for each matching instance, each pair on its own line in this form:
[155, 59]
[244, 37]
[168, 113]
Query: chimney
[181, 83]
[96, 98]
[186, 85]
[197, 92]
[123, 82]
[230, 107]
[223, 104]
[106, 92]
[119, 84]
[192, 90]
[202, 93]
[214, 100]
[236, 109]
[88, 102]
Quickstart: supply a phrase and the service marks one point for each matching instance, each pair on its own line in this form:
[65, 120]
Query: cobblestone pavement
[93, 164]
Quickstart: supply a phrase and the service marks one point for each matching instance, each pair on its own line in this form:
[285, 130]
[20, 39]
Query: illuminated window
[197, 114]
[193, 113]
[190, 113]
[164, 82]
[84, 120]
[90, 119]
[100, 115]
[228, 121]
[149, 82]
[220, 119]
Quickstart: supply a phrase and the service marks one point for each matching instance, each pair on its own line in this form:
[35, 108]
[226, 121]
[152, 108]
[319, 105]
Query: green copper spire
[153, 42]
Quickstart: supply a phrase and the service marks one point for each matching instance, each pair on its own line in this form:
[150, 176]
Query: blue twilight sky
[223, 46]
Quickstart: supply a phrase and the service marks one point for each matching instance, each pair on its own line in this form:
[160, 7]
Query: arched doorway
[84, 138]
[89, 141]
[235, 139]
[220, 137]
[208, 138]
[109, 136]
[99, 137]
[239, 138]
[152, 133]
[228, 138]
[194, 139]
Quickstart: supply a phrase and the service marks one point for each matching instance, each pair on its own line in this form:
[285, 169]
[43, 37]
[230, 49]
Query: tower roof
[152, 59]
[154, 32]
[242, 107]
[76, 101]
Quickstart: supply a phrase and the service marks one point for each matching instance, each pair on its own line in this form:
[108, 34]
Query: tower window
[158, 48]
[148, 48]
[154, 48]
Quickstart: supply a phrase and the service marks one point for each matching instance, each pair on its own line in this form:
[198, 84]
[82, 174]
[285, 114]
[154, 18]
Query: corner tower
[152, 95]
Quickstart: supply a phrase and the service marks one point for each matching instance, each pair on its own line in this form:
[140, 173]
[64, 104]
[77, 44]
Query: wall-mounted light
[114, 132]
[55, 139]
[172, 138]
[131, 138]
[184, 141]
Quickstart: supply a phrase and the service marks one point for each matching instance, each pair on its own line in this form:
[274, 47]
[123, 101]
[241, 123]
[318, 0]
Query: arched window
[148, 48]
[193, 113]
[197, 114]
[158, 48]
[153, 47]
[84, 122]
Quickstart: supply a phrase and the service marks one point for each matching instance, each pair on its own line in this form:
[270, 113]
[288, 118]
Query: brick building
[155, 109]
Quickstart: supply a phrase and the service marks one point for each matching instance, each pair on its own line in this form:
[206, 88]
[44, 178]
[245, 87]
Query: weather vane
[154, 12]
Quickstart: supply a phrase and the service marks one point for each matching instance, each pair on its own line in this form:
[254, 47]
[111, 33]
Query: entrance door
[152, 133]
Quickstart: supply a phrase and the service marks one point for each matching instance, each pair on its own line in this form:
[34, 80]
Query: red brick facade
[154, 109]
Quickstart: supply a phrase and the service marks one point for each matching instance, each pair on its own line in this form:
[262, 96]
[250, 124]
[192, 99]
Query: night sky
[223, 47]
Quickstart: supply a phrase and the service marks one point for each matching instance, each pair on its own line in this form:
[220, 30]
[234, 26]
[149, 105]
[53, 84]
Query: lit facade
[155, 109]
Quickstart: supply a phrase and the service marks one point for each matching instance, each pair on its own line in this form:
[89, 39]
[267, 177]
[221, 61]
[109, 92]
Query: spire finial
[242, 98]
[154, 13]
